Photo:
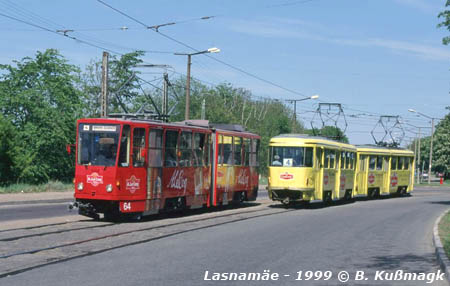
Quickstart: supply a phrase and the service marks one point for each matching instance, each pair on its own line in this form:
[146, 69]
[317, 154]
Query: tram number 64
[127, 206]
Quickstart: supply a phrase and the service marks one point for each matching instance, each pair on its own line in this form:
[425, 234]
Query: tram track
[17, 262]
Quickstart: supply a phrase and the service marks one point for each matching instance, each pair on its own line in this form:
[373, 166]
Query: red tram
[140, 167]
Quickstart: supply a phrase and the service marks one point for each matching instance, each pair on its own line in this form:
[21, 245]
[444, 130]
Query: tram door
[318, 170]
[154, 170]
[361, 171]
[386, 178]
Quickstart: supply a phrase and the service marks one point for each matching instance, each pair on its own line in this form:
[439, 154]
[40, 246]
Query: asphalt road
[370, 236]
[50, 208]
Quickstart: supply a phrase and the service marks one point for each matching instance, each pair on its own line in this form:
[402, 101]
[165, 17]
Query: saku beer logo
[132, 184]
[94, 179]
[286, 176]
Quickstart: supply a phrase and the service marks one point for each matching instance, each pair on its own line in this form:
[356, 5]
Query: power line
[196, 50]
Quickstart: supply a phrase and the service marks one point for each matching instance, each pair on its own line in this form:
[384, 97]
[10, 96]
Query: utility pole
[104, 99]
[418, 160]
[165, 97]
[188, 76]
[188, 88]
[431, 151]
[294, 101]
[203, 109]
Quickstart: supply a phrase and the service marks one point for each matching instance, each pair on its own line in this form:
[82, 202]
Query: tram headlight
[80, 186]
[109, 188]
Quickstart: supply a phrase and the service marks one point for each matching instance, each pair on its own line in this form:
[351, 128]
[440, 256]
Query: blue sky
[376, 57]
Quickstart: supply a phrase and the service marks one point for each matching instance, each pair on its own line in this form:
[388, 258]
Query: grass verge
[52, 186]
[444, 232]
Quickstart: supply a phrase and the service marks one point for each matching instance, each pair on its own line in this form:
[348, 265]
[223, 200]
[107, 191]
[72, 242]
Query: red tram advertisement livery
[141, 167]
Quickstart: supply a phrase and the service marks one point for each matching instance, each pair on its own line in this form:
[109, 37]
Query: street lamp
[431, 143]
[188, 75]
[316, 96]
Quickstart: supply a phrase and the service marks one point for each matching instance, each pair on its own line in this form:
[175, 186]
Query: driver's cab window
[124, 153]
[139, 151]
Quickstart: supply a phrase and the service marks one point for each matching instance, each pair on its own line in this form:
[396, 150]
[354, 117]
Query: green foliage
[123, 85]
[445, 15]
[6, 144]
[52, 186]
[331, 132]
[227, 104]
[441, 148]
[39, 99]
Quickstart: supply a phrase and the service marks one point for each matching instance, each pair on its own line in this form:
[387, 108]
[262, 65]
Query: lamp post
[294, 101]
[188, 75]
[431, 143]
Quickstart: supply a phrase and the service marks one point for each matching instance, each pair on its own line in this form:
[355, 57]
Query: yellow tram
[383, 171]
[314, 169]
[310, 169]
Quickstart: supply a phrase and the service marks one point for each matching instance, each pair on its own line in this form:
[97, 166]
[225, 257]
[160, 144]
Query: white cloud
[301, 30]
[424, 5]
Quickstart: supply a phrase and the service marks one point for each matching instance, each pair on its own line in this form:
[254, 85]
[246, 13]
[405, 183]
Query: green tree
[6, 144]
[441, 148]
[123, 85]
[331, 132]
[445, 16]
[39, 98]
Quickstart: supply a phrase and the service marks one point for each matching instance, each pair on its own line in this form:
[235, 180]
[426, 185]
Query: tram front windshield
[97, 144]
[291, 156]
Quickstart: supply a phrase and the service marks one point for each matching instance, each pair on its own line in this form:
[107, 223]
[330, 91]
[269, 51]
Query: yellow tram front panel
[305, 168]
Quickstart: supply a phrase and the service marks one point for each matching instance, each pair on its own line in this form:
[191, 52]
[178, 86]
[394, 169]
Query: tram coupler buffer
[84, 209]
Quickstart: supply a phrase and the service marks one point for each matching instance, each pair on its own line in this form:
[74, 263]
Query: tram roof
[300, 139]
[370, 148]
[191, 124]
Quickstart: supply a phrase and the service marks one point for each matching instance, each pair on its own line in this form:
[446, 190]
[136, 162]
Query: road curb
[440, 253]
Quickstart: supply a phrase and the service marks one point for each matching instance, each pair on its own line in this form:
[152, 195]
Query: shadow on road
[441, 203]
[406, 262]
[305, 205]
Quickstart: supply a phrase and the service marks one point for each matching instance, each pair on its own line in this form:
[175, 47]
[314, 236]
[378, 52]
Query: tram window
[220, 151]
[170, 152]
[372, 162]
[400, 163]
[291, 156]
[319, 157]
[352, 160]
[254, 152]
[362, 162]
[257, 152]
[343, 166]
[199, 149]
[385, 163]
[379, 163]
[246, 152]
[394, 163]
[338, 158]
[227, 150]
[308, 156]
[138, 147]
[207, 150]
[327, 158]
[237, 151]
[124, 157]
[186, 149]
[406, 163]
[155, 148]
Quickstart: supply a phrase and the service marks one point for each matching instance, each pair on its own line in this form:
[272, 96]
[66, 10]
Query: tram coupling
[84, 209]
